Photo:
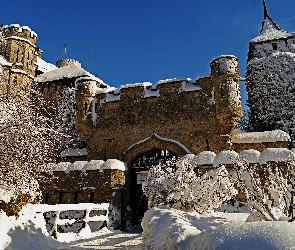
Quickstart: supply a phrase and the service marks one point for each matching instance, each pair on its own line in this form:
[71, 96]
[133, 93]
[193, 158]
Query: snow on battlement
[238, 136]
[83, 166]
[145, 89]
[230, 157]
[23, 33]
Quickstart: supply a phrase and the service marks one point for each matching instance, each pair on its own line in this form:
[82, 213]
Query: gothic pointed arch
[150, 143]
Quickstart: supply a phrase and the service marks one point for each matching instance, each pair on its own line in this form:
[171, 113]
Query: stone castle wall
[198, 114]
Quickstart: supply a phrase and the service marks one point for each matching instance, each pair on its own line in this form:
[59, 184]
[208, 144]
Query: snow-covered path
[112, 240]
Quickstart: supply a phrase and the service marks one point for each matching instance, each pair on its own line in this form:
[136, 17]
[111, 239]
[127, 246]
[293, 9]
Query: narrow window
[274, 46]
[17, 55]
[207, 145]
[76, 197]
[60, 198]
[85, 108]
[91, 197]
[46, 198]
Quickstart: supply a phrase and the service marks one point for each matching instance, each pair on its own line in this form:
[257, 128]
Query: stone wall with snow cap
[62, 166]
[113, 164]
[92, 181]
[188, 158]
[225, 157]
[276, 155]
[239, 136]
[76, 166]
[249, 155]
[205, 158]
[92, 165]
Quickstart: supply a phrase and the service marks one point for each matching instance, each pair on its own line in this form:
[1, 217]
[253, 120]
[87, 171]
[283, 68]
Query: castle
[139, 124]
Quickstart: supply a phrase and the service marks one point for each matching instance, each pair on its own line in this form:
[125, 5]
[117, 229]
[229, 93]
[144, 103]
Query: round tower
[225, 76]
[64, 62]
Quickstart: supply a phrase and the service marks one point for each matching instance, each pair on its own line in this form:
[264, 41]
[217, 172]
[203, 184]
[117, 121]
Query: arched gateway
[140, 157]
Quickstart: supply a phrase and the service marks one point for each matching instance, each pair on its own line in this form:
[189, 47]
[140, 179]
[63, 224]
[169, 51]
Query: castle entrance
[138, 173]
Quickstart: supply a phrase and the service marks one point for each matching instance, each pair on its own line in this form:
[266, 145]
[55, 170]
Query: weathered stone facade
[19, 61]
[199, 120]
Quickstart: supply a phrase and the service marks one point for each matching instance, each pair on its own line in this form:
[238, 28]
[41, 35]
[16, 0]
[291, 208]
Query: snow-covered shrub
[181, 188]
[28, 142]
[267, 190]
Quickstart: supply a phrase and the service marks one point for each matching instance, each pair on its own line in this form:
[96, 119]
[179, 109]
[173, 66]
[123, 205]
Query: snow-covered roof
[4, 62]
[69, 71]
[259, 137]
[271, 31]
[44, 66]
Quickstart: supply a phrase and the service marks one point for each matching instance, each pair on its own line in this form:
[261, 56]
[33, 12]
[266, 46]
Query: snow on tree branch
[182, 188]
[29, 139]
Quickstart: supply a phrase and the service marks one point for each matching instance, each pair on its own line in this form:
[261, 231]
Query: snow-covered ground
[28, 232]
[168, 228]
[163, 228]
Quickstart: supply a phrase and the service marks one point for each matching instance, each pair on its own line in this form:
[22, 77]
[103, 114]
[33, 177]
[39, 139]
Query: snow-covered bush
[28, 142]
[268, 190]
[182, 188]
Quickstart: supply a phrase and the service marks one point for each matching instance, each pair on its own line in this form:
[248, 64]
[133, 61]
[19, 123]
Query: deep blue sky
[146, 40]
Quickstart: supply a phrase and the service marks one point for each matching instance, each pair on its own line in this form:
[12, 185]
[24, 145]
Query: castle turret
[225, 76]
[64, 62]
[270, 78]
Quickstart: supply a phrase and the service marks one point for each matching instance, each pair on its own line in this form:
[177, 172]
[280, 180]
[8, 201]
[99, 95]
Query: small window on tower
[274, 46]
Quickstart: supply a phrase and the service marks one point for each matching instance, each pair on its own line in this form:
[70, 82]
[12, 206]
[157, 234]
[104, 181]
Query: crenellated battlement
[173, 108]
[22, 32]
[64, 62]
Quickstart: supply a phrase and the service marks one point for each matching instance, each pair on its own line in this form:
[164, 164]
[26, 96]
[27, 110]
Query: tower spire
[265, 10]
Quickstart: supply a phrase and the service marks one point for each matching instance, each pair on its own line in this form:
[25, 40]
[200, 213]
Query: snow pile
[76, 166]
[276, 155]
[270, 31]
[113, 164]
[227, 157]
[90, 165]
[134, 85]
[167, 228]
[189, 86]
[44, 66]
[6, 192]
[252, 235]
[173, 80]
[150, 92]
[26, 232]
[205, 158]
[250, 156]
[74, 152]
[61, 166]
[259, 137]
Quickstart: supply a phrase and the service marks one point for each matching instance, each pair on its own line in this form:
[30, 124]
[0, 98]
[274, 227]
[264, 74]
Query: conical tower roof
[270, 30]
